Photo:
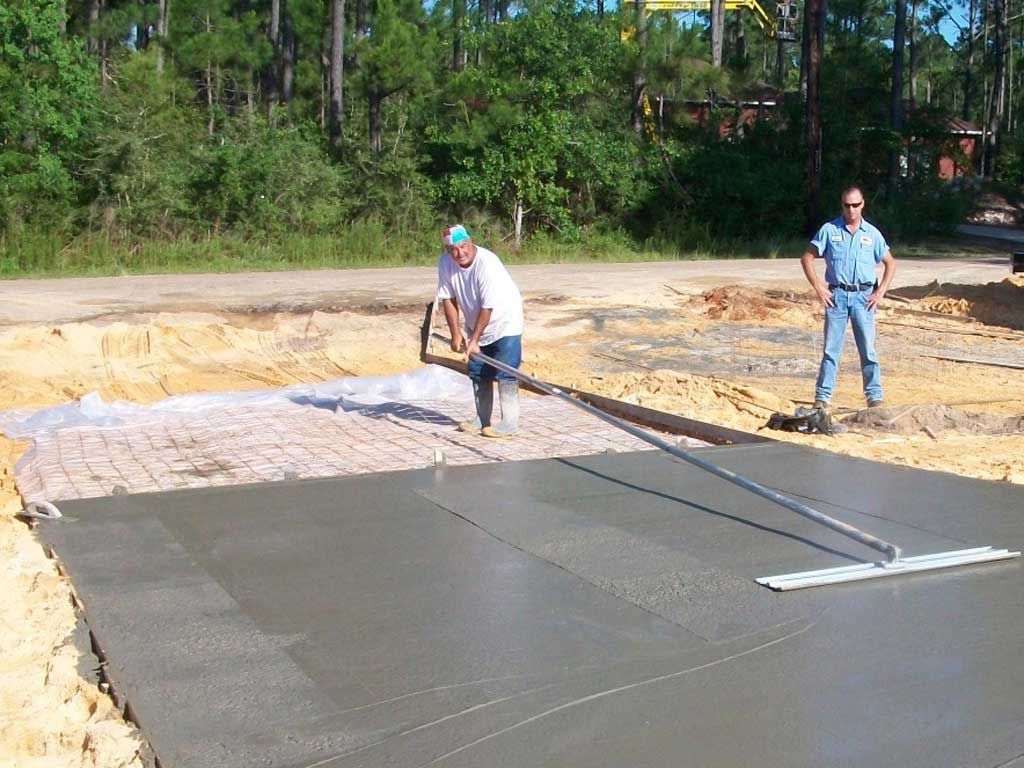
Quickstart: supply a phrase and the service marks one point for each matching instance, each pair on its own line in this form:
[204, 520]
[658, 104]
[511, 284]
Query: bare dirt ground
[716, 342]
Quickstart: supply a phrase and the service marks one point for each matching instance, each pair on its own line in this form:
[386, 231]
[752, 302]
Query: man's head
[459, 245]
[853, 205]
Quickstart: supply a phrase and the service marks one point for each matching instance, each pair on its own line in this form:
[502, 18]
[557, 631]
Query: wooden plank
[975, 361]
[1007, 335]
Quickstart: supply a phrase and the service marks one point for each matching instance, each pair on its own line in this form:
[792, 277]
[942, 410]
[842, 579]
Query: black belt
[848, 287]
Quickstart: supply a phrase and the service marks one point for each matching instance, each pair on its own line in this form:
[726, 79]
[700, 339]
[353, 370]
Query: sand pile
[999, 303]
[933, 419]
[696, 397]
[50, 715]
[738, 304]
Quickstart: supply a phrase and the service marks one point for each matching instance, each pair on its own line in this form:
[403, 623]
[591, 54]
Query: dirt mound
[696, 397]
[993, 208]
[933, 419]
[999, 303]
[738, 304]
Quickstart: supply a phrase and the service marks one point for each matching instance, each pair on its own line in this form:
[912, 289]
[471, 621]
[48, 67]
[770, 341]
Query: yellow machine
[781, 26]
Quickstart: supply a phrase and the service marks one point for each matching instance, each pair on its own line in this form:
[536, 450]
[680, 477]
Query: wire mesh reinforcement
[283, 441]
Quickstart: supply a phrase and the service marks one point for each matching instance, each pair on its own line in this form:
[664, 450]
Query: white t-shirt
[484, 284]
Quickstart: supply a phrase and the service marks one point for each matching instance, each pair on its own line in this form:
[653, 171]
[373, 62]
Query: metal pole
[891, 551]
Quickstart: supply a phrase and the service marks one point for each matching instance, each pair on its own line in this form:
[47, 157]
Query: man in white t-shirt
[473, 280]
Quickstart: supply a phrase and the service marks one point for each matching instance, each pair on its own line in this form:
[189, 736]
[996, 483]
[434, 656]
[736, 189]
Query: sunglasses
[853, 205]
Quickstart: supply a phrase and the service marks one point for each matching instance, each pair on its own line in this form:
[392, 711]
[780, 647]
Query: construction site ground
[722, 342]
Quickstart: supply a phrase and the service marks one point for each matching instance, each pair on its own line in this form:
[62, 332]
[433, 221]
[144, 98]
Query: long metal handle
[891, 551]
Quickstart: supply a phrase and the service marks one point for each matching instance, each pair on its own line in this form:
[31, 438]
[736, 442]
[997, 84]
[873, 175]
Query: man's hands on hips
[875, 298]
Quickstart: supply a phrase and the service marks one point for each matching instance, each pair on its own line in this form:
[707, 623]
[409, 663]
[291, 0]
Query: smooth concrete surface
[564, 612]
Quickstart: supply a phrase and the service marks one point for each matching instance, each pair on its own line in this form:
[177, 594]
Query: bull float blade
[905, 565]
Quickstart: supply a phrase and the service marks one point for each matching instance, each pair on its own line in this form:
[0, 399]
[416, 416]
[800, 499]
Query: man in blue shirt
[852, 249]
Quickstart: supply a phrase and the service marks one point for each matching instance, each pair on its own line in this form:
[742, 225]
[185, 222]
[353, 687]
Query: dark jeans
[507, 350]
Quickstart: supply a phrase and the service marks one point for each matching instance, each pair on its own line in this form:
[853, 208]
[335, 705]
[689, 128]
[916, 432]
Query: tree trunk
[458, 54]
[362, 26]
[517, 222]
[162, 29]
[639, 77]
[741, 40]
[375, 103]
[289, 55]
[209, 99]
[250, 91]
[717, 31]
[336, 123]
[815, 13]
[780, 65]
[485, 18]
[600, 9]
[806, 40]
[94, 16]
[210, 123]
[969, 69]
[104, 60]
[997, 101]
[274, 70]
[325, 69]
[912, 50]
[896, 94]
[985, 90]
[1011, 114]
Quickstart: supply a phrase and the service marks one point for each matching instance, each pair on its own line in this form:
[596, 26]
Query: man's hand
[824, 294]
[875, 298]
[458, 342]
[473, 348]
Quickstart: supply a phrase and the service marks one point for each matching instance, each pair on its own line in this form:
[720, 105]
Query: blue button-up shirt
[850, 257]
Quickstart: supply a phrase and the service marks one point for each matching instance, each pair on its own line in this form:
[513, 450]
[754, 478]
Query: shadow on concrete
[708, 510]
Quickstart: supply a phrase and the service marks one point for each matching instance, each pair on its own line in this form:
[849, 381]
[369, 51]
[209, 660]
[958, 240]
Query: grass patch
[363, 245]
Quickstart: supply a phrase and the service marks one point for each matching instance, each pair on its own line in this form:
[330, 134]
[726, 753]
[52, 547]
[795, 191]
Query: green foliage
[748, 186]
[135, 169]
[1010, 168]
[531, 127]
[390, 59]
[392, 187]
[132, 161]
[922, 210]
[253, 179]
[47, 93]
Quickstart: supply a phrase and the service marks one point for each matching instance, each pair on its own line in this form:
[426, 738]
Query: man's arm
[889, 271]
[451, 314]
[478, 331]
[807, 262]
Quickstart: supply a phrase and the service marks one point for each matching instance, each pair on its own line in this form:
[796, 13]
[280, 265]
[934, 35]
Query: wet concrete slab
[595, 611]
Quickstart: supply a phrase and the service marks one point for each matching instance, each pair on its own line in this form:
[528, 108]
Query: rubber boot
[483, 396]
[508, 395]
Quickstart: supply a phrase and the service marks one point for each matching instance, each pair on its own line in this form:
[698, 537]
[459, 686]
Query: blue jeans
[507, 350]
[852, 305]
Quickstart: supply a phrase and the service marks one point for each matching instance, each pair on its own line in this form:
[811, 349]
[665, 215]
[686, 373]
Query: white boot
[508, 395]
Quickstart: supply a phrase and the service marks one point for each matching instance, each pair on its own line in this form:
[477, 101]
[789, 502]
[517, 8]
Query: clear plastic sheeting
[344, 427]
[433, 382]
